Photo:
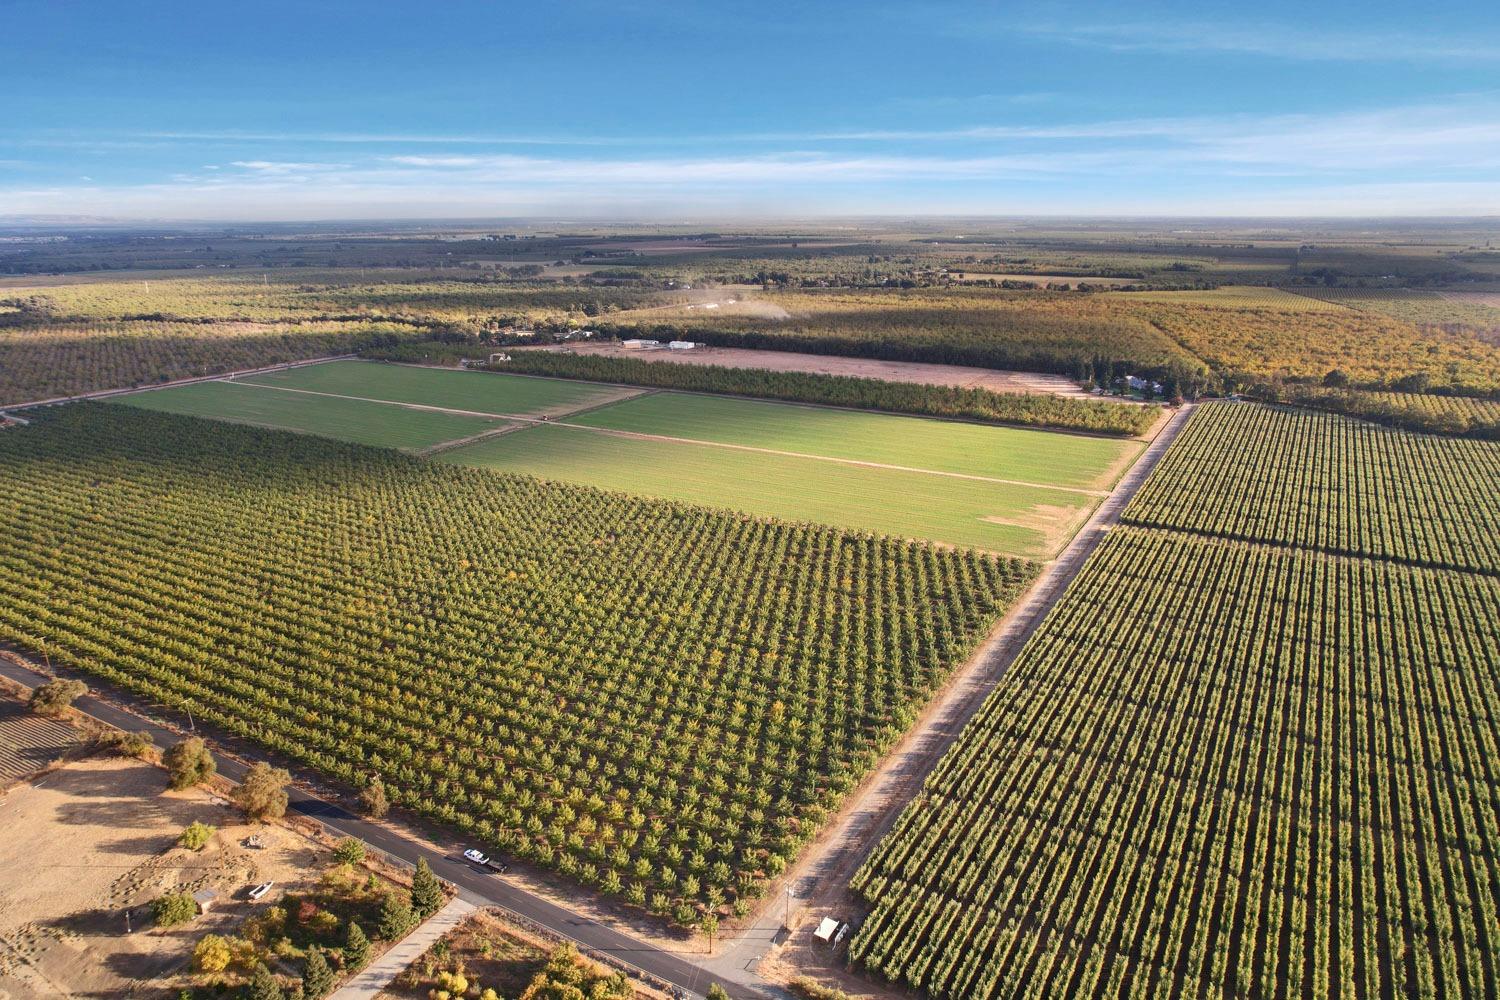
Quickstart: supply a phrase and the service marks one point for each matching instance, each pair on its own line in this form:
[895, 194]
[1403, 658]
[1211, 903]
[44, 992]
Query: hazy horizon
[664, 111]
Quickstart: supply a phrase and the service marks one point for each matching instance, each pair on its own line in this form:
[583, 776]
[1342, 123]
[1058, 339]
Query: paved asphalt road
[485, 889]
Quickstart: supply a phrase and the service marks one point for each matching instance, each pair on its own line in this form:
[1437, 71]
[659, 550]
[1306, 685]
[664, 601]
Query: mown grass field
[1007, 490]
[968, 449]
[479, 392]
[1028, 521]
[355, 420]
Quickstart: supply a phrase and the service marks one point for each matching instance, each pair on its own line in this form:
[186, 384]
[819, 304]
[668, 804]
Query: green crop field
[1028, 521]
[356, 420]
[1007, 490]
[1232, 763]
[478, 392]
[660, 702]
[997, 452]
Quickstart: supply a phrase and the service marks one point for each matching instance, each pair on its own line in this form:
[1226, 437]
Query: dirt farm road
[820, 878]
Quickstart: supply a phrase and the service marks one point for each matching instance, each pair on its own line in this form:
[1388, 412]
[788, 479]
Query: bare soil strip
[471, 439]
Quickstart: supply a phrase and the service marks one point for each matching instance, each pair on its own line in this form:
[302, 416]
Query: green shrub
[188, 763]
[174, 908]
[56, 697]
[262, 795]
[349, 851]
[811, 989]
[196, 835]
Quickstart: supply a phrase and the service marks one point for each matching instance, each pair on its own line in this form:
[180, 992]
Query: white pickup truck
[485, 861]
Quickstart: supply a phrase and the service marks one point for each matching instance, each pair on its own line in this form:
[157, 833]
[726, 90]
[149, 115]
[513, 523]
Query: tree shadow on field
[148, 844]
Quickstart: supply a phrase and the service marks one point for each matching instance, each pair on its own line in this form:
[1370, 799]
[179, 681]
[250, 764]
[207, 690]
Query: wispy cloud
[1264, 39]
[285, 166]
[1453, 148]
[374, 138]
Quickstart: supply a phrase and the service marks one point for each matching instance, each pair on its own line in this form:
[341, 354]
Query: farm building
[681, 345]
[640, 345]
[205, 898]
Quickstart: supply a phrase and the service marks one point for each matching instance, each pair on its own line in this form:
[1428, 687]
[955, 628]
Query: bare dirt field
[94, 841]
[820, 364]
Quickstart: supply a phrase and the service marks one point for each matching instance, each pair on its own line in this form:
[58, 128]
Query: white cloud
[436, 161]
[1439, 156]
[371, 138]
[1265, 39]
[285, 166]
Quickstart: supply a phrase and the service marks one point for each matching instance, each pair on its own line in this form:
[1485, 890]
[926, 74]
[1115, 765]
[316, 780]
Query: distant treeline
[1029, 410]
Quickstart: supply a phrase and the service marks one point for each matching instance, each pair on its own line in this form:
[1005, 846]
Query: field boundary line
[443, 446]
[822, 458]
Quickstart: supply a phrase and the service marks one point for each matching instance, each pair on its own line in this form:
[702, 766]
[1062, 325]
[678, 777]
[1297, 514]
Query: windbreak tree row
[658, 700]
[51, 360]
[1024, 409]
[1463, 416]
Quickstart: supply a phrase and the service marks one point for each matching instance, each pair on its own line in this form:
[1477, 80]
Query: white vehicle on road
[478, 857]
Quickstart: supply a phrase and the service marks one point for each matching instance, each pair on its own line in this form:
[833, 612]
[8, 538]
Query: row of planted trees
[660, 701]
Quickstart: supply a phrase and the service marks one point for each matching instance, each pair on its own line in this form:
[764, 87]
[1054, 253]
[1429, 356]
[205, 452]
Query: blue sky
[637, 110]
